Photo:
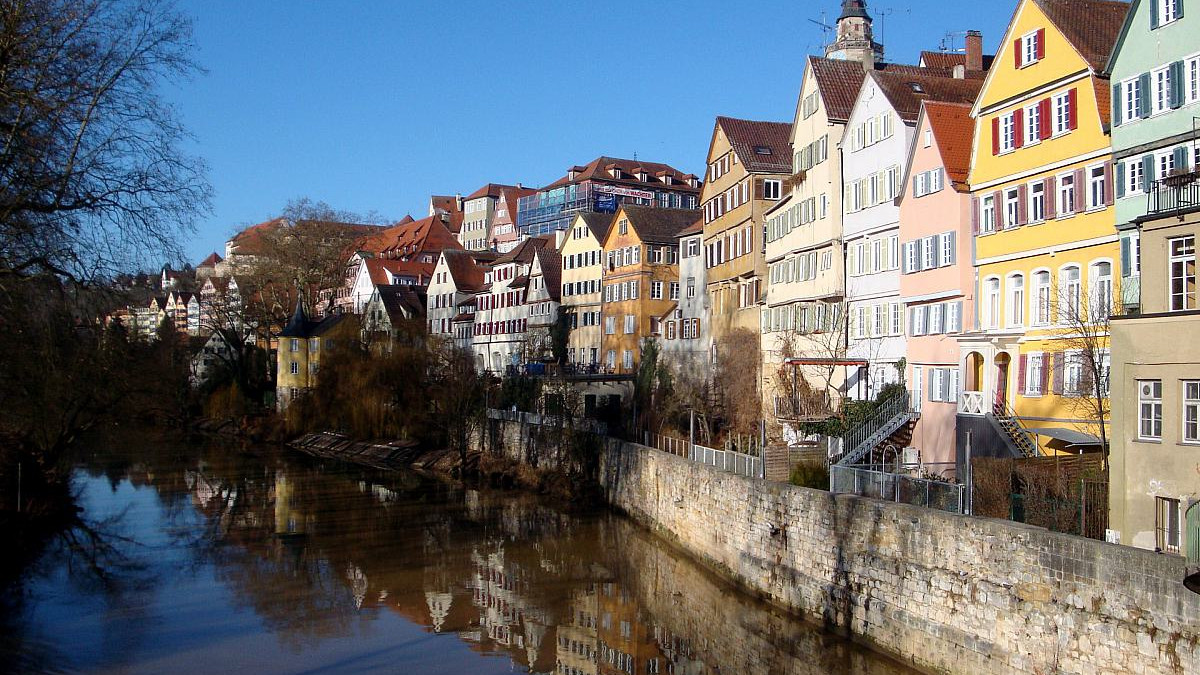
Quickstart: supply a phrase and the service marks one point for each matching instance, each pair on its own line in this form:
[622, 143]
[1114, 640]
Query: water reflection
[281, 563]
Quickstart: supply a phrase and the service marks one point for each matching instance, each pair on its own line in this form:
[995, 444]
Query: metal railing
[865, 436]
[1012, 425]
[1174, 193]
[897, 487]
[739, 463]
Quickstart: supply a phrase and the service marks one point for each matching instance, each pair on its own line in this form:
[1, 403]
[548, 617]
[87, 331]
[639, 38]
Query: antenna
[826, 29]
[950, 41]
[882, 13]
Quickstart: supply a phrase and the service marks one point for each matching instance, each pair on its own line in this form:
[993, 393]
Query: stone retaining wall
[948, 593]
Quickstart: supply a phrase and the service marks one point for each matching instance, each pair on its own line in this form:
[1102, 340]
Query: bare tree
[1084, 319]
[92, 175]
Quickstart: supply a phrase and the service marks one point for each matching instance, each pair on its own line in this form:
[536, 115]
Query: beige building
[1155, 380]
[582, 271]
[747, 165]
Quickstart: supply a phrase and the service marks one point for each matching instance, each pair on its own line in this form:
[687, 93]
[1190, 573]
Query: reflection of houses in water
[626, 644]
[439, 605]
[499, 590]
[578, 644]
[358, 584]
[289, 518]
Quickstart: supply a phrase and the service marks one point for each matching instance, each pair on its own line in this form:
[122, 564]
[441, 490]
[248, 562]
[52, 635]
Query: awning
[1070, 436]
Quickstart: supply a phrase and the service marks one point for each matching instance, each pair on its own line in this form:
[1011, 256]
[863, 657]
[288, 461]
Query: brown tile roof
[465, 270]
[447, 203]
[901, 89]
[402, 301]
[838, 81]
[1103, 100]
[428, 235]
[694, 228]
[659, 226]
[1092, 26]
[406, 220]
[598, 223]
[948, 60]
[598, 169]
[761, 146]
[210, 261]
[551, 264]
[955, 132]
[525, 251]
[490, 190]
[378, 269]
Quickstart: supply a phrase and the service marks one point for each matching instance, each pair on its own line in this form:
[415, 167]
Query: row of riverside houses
[970, 229]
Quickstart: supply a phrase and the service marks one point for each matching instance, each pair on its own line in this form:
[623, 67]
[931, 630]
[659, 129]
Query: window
[1012, 208]
[674, 290]
[623, 226]
[295, 367]
[991, 303]
[691, 287]
[1030, 48]
[917, 383]
[1073, 378]
[1008, 137]
[1066, 194]
[929, 253]
[1135, 177]
[1101, 291]
[1166, 521]
[1068, 280]
[1130, 102]
[1182, 264]
[610, 325]
[1037, 202]
[1150, 409]
[1016, 300]
[1191, 411]
[1041, 298]
[987, 214]
[1064, 112]
[772, 189]
[1164, 12]
[1033, 124]
[656, 290]
[295, 346]
[610, 358]
[1161, 100]
[630, 324]
[627, 359]
[1035, 368]
[1097, 187]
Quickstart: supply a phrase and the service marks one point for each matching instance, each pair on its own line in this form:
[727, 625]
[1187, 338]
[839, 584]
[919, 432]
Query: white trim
[1019, 99]
[1069, 246]
[1021, 177]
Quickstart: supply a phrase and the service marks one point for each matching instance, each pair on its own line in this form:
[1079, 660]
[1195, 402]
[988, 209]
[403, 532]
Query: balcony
[972, 403]
[1174, 194]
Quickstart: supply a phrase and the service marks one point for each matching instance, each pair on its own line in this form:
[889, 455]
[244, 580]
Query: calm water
[213, 560]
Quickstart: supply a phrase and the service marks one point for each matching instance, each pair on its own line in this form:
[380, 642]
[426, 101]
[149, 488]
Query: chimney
[519, 186]
[458, 201]
[974, 51]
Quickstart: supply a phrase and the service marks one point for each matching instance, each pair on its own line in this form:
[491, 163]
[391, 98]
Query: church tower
[855, 41]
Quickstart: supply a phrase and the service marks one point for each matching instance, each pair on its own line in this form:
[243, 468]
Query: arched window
[1069, 308]
[1016, 300]
[991, 302]
[1041, 298]
[1101, 291]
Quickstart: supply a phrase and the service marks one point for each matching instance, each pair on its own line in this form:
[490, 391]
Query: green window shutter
[1181, 157]
[1147, 172]
[1117, 108]
[1153, 14]
[1119, 179]
[1177, 77]
[1144, 94]
[1126, 264]
[1178, 9]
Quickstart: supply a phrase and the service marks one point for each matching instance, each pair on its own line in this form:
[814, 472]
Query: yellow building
[748, 163]
[1046, 244]
[641, 279]
[582, 272]
[302, 343]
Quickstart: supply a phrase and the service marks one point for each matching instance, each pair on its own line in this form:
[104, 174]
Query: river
[204, 557]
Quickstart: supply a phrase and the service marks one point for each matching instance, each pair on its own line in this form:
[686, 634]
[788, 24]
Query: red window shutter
[974, 217]
[1017, 53]
[1022, 204]
[1108, 184]
[1045, 373]
[1018, 127]
[1081, 191]
[1021, 374]
[995, 135]
[1072, 110]
[1041, 43]
[1047, 124]
[1058, 372]
[1051, 199]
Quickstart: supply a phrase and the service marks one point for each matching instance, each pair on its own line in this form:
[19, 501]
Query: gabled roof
[947, 61]
[525, 251]
[493, 190]
[402, 302]
[465, 270]
[763, 147]
[693, 229]
[211, 260]
[659, 226]
[447, 203]
[1091, 26]
[428, 235]
[550, 263]
[598, 223]
[838, 81]
[380, 268]
[906, 91]
[599, 169]
[954, 131]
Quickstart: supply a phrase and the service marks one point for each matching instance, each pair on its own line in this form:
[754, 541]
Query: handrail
[884, 413]
[1001, 410]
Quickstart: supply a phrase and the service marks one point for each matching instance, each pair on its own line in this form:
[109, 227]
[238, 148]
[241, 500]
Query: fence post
[692, 434]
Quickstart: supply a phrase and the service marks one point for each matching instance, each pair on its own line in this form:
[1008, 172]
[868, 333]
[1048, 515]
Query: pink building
[937, 282]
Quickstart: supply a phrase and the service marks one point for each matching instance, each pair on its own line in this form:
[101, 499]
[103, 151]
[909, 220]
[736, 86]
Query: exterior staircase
[1019, 439]
[891, 417]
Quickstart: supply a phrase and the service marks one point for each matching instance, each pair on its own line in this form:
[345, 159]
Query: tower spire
[855, 39]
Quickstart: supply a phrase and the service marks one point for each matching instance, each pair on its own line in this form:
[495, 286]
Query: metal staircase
[890, 416]
[1018, 438]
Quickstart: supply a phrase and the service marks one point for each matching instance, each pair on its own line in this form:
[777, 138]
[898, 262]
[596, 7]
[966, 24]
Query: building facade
[582, 274]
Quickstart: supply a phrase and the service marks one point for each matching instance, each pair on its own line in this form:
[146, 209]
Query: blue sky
[377, 105]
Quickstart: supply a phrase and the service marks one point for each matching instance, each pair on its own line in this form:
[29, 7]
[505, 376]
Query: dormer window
[1030, 48]
[616, 172]
[666, 179]
[642, 176]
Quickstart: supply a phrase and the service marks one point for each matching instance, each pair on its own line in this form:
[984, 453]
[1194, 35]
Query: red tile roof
[838, 81]
[763, 147]
[490, 190]
[465, 270]
[906, 91]
[948, 60]
[659, 226]
[210, 261]
[955, 132]
[379, 268]
[525, 251]
[428, 235]
[551, 264]
[1092, 26]
[598, 170]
